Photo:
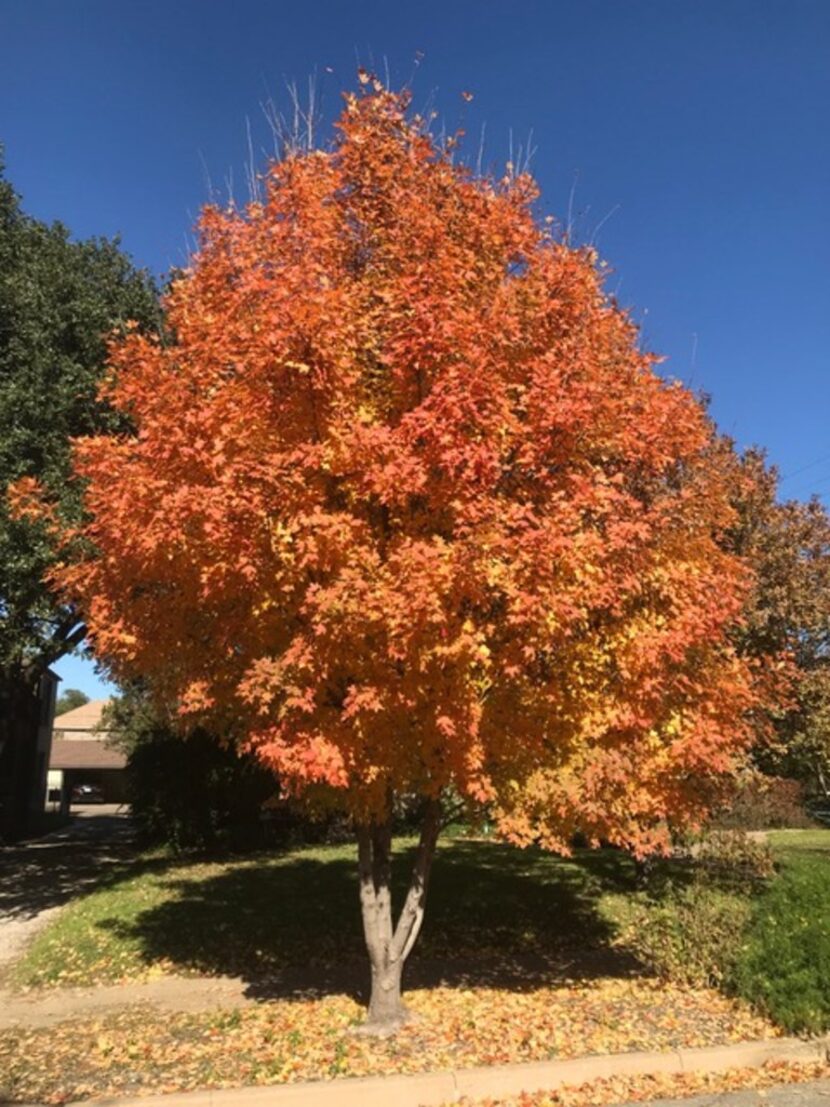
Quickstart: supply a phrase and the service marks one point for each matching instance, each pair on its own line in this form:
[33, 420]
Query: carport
[76, 761]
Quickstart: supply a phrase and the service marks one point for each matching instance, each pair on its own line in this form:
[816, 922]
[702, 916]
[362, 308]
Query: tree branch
[412, 913]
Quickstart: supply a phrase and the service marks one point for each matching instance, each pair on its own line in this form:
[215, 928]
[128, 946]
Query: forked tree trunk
[388, 944]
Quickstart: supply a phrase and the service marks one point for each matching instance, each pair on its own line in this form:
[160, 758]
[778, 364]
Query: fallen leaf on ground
[287, 1040]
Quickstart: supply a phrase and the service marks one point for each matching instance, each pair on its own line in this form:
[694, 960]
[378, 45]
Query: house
[81, 754]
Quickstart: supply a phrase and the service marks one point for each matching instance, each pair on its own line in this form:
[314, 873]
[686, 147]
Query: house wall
[25, 740]
[48, 696]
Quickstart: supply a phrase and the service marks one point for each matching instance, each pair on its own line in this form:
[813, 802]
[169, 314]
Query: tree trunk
[822, 779]
[389, 945]
[387, 1011]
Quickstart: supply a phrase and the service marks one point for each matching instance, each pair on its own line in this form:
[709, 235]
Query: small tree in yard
[408, 511]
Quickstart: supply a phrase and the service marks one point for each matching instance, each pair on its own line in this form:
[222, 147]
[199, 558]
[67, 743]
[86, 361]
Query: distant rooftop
[85, 717]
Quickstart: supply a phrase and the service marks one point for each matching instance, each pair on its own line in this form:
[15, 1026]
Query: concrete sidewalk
[435, 1089]
[168, 993]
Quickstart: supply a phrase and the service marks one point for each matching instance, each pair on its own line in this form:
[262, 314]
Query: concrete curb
[435, 1089]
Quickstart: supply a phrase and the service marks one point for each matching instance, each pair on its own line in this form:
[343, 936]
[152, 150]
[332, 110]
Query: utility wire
[810, 489]
[804, 468]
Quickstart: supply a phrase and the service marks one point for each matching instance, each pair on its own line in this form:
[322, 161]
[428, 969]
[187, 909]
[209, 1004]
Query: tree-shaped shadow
[290, 925]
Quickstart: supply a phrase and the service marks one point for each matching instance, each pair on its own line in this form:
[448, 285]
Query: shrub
[689, 927]
[731, 860]
[764, 802]
[784, 965]
[194, 794]
[693, 936]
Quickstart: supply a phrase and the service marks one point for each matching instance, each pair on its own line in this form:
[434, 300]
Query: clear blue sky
[698, 127]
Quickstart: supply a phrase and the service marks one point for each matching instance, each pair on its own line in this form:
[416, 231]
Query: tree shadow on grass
[290, 926]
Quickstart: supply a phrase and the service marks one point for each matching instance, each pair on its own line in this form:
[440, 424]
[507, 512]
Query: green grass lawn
[784, 970]
[297, 913]
[496, 915]
[805, 843]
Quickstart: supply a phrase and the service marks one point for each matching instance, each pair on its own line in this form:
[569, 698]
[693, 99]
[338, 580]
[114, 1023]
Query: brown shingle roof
[69, 754]
[85, 717]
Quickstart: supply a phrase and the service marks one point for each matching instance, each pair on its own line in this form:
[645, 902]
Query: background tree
[70, 699]
[197, 794]
[408, 511]
[59, 300]
[788, 615]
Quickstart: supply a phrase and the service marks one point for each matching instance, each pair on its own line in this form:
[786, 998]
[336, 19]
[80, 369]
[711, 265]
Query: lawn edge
[448, 1086]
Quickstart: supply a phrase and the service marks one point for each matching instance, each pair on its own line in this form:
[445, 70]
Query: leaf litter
[139, 1050]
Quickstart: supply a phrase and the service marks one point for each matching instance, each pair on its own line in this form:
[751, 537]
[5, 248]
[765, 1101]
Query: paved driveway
[38, 877]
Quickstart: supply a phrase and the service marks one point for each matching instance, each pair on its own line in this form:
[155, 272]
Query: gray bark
[390, 944]
[822, 780]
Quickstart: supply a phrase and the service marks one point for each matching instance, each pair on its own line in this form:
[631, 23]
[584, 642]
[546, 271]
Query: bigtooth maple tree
[408, 510]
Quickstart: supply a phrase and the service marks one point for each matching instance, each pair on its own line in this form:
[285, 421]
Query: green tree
[69, 700]
[193, 793]
[59, 300]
